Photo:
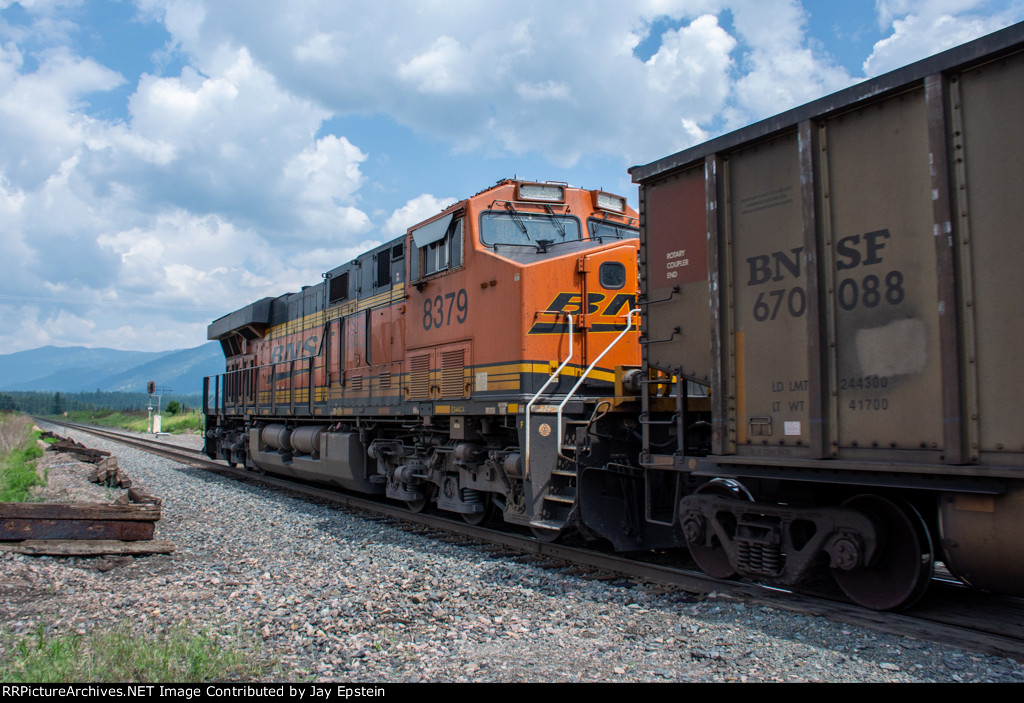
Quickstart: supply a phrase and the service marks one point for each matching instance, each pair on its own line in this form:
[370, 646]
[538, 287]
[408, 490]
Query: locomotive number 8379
[467, 364]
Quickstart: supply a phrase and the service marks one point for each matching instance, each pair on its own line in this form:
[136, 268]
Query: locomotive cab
[498, 329]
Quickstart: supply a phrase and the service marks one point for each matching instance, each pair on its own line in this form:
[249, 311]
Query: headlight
[607, 201]
[542, 192]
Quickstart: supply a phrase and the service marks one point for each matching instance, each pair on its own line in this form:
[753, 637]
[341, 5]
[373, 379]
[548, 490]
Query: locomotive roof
[257, 313]
[272, 311]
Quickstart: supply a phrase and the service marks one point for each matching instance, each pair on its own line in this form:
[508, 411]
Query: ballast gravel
[332, 595]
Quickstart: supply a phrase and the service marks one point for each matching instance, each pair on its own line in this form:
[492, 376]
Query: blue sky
[167, 161]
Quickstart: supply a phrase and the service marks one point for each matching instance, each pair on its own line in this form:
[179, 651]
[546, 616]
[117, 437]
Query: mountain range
[79, 369]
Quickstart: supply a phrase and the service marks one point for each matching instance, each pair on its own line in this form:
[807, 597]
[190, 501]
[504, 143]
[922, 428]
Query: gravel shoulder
[331, 595]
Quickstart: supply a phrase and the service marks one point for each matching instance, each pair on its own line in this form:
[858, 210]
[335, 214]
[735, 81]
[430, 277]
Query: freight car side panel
[676, 276]
[863, 256]
[768, 312]
[986, 105]
[879, 237]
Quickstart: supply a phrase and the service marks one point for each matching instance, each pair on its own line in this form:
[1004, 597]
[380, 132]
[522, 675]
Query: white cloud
[779, 69]
[243, 142]
[41, 125]
[27, 327]
[321, 180]
[920, 29]
[226, 178]
[692, 61]
[165, 259]
[890, 10]
[555, 80]
[546, 90]
[445, 68]
[413, 212]
[328, 170]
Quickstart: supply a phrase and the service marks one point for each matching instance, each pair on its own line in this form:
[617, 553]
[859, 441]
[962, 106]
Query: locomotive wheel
[420, 504]
[902, 568]
[713, 560]
[481, 517]
[416, 506]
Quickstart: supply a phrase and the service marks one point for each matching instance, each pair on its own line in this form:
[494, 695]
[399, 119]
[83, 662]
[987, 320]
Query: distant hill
[78, 369]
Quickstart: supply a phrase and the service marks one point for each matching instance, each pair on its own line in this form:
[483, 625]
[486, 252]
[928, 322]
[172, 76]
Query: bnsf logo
[572, 303]
[294, 350]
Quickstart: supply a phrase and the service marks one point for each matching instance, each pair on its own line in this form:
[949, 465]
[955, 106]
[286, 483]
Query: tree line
[42, 403]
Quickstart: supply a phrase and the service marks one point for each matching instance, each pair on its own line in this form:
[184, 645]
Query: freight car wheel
[712, 559]
[902, 568]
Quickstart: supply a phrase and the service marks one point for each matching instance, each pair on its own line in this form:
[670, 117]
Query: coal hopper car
[841, 282]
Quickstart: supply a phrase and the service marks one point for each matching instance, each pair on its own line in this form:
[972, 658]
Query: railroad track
[950, 614]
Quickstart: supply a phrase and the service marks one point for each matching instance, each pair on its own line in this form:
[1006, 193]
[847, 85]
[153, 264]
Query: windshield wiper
[515, 217]
[556, 221]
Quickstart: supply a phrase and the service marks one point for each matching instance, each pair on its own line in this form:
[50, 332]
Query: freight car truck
[844, 280]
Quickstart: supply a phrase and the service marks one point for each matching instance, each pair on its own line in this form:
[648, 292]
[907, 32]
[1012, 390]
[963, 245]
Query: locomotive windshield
[610, 230]
[527, 229]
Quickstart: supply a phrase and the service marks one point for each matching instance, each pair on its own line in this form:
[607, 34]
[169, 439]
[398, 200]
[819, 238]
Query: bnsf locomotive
[465, 365]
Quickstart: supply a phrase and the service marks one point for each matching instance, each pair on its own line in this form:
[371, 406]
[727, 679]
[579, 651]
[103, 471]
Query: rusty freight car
[842, 280]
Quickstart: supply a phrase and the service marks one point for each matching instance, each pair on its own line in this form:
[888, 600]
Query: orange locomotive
[470, 363]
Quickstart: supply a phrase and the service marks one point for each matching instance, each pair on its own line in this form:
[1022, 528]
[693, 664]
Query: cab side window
[438, 247]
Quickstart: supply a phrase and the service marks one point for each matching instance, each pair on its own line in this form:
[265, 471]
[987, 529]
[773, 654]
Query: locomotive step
[547, 524]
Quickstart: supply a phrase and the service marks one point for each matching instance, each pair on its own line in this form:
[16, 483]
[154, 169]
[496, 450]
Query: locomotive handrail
[241, 387]
[583, 377]
[533, 400]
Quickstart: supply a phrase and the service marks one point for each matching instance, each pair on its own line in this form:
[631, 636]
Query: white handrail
[583, 377]
[529, 406]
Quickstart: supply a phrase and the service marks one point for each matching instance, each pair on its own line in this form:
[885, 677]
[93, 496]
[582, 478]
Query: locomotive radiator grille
[453, 372]
[419, 377]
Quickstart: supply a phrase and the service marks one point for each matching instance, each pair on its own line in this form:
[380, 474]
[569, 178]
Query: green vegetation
[126, 410]
[136, 421]
[41, 403]
[18, 452]
[180, 655]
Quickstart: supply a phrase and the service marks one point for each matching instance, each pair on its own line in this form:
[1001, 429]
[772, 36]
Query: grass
[18, 454]
[137, 421]
[180, 655]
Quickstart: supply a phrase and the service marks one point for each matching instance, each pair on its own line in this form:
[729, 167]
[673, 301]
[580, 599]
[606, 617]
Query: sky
[164, 162]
